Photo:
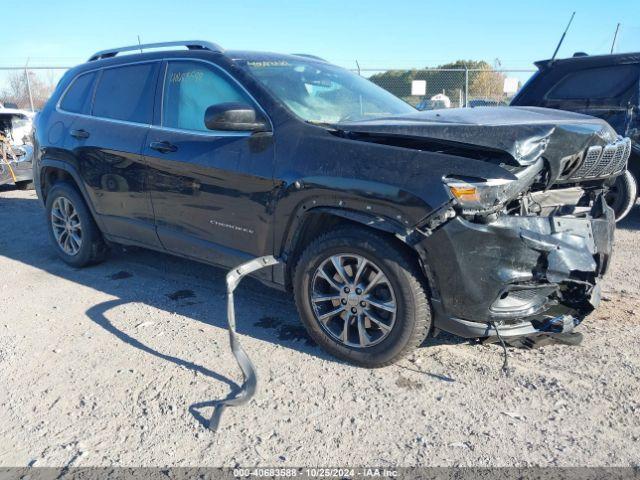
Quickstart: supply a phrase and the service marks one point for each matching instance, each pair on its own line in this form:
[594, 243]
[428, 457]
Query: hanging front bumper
[528, 274]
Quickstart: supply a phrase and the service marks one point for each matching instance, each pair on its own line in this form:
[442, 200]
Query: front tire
[622, 195]
[74, 233]
[362, 297]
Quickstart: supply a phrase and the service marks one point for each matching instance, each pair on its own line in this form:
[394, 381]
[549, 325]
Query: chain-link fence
[434, 88]
[28, 88]
[427, 89]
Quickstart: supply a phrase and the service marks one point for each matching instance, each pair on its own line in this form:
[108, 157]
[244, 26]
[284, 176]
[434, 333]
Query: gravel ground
[118, 364]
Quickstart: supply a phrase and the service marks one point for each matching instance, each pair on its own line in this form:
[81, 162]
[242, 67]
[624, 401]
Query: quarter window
[126, 93]
[189, 89]
[78, 97]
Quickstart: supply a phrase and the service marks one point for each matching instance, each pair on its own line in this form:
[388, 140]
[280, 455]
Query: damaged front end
[16, 148]
[523, 256]
[528, 274]
[520, 233]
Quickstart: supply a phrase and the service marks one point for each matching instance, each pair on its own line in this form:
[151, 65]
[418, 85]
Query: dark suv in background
[389, 223]
[605, 86]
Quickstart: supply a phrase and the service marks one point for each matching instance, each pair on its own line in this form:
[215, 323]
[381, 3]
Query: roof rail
[190, 44]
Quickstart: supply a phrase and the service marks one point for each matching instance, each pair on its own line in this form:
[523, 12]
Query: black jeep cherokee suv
[390, 224]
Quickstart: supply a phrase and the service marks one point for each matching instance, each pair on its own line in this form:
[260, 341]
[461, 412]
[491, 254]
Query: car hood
[15, 111]
[525, 133]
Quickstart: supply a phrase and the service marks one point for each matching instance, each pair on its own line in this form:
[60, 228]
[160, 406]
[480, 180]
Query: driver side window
[190, 88]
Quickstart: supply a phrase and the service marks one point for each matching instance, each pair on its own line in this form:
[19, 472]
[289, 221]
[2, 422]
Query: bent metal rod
[248, 388]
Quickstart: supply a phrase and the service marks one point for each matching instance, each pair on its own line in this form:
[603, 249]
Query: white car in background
[16, 147]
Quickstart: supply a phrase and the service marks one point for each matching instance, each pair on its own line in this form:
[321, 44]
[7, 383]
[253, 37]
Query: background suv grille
[599, 162]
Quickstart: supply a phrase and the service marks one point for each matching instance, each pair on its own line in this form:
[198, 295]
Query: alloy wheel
[353, 300]
[66, 225]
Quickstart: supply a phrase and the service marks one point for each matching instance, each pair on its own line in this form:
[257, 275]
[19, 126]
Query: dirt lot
[108, 366]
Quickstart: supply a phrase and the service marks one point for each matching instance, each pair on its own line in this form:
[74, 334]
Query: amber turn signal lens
[466, 193]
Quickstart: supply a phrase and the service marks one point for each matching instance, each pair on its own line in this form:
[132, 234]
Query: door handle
[163, 147]
[79, 133]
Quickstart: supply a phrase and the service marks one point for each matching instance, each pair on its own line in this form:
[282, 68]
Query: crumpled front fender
[471, 265]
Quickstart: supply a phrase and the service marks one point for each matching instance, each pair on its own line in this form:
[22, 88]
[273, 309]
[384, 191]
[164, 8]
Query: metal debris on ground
[248, 388]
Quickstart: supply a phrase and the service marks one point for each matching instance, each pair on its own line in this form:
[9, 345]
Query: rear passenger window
[126, 93]
[596, 83]
[190, 88]
[78, 96]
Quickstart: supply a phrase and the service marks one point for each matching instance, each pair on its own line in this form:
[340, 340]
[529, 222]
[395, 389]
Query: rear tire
[622, 195]
[72, 229]
[376, 337]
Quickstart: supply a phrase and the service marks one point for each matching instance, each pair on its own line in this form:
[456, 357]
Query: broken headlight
[477, 195]
[480, 195]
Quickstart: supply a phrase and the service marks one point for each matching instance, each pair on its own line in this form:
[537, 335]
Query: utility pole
[26, 76]
[615, 37]
[466, 86]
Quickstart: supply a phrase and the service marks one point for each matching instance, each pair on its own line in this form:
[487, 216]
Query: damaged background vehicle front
[16, 148]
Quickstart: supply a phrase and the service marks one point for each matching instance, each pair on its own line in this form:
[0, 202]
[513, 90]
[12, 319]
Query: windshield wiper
[331, 126]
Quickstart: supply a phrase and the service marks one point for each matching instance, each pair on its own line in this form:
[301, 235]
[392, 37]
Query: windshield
[322, 93]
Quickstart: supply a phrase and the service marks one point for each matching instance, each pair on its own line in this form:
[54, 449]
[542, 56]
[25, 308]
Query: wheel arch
[53, 171]
[310, 223]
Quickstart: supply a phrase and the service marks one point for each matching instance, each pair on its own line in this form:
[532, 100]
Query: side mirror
[237, 117]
